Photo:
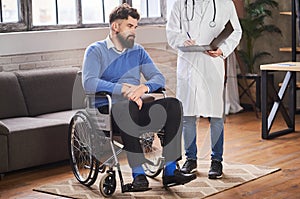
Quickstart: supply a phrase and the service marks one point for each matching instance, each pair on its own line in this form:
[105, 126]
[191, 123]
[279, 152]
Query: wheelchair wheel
[152, 148]
[107, 185]
[84, 166]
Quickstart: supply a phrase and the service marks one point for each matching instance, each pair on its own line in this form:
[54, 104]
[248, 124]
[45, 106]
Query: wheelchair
[94, 149]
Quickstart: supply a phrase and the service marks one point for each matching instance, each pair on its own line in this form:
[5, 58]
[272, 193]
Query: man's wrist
[147, 89]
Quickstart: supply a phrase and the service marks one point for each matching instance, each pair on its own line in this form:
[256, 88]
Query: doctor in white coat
[200, 75]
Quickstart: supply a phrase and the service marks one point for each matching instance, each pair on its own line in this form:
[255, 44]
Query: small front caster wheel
[108, 184]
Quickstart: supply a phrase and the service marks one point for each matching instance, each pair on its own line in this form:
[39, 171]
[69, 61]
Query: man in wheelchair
[115, 65]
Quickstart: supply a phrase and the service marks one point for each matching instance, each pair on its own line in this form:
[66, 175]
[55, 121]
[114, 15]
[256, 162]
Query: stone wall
[66, 58]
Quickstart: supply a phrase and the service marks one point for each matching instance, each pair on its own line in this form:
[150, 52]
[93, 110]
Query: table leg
[292, 100]
[289, 84]
[264, 103]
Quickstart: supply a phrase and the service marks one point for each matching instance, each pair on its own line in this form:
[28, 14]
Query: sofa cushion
[40, 142]
[12, 102]
[28, 123]
[3, 128]
[47, 90]
[32, 141]
[64, 116]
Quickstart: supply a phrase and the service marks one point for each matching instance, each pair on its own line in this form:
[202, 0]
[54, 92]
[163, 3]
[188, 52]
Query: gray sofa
[35, 110]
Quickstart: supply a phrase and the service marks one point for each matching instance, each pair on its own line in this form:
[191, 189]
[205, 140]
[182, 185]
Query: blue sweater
[104, 69]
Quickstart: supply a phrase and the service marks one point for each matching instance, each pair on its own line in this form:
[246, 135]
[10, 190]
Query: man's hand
[134, 92]
[139, 102]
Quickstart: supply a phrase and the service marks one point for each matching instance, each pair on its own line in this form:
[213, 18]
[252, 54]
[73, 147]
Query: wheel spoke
[83, 164]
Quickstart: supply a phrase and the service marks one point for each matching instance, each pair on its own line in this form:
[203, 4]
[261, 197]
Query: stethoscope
[211, 23]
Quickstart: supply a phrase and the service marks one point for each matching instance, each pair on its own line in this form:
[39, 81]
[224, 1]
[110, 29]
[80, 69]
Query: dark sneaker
[178, 178]
[189, 166]
[140, 182]
[216, 170]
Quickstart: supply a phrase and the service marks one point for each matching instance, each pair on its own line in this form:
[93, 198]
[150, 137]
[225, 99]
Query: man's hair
[123, 12]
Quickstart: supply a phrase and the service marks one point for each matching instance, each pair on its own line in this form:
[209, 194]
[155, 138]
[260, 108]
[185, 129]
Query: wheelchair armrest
[98, 94]
[102, 94]
[149, 97]
[160, 90]
[105, 94]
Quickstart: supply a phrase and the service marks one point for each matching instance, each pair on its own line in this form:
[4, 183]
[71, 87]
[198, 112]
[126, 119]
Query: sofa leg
[1, 176]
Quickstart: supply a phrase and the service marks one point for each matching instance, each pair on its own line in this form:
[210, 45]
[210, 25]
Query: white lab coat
[200, 78]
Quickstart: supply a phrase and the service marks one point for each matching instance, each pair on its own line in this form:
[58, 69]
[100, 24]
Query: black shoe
[178, 178]
[189, 166]
[215, 170]
[140, 182]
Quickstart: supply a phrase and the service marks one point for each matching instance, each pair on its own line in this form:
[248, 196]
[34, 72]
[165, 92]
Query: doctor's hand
[189, 42]
[215, 53]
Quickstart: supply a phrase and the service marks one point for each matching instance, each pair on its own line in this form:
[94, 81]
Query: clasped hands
[134, 93]
[213, 53]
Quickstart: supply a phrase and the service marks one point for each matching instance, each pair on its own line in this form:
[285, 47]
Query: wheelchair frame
[91, 135]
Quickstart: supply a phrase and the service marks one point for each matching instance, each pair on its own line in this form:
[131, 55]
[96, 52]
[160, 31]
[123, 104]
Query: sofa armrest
[3, 129]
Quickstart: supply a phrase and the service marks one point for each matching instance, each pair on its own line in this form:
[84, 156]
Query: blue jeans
[216, 136]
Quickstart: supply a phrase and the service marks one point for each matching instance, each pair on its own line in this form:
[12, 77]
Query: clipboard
[214, 44]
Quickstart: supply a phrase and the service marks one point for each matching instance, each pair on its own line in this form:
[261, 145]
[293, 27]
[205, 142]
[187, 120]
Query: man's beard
[127, 42]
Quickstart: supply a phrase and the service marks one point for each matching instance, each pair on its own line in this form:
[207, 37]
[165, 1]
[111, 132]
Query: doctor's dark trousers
[130, 122]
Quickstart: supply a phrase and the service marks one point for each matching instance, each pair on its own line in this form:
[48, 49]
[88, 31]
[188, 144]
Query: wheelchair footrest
[130, 188]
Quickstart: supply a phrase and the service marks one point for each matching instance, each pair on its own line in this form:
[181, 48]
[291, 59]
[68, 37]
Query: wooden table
[288, 87]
